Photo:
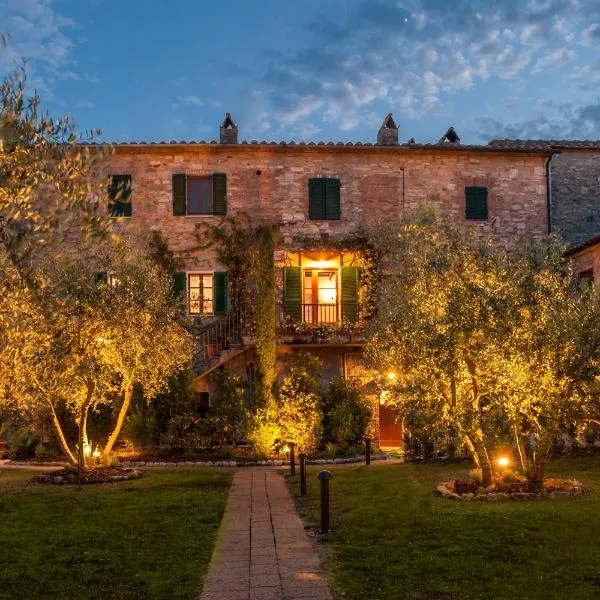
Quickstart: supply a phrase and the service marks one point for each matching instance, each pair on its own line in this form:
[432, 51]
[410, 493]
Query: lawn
[392, 538]
[151, 538]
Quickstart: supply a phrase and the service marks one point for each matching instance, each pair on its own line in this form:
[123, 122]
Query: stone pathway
[262, 550]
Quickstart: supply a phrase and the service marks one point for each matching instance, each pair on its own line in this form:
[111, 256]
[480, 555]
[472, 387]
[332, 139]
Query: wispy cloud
[417, 54]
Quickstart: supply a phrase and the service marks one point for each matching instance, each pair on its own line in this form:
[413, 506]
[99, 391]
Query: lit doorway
[320, 296]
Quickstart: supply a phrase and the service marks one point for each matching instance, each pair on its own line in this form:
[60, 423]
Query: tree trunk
[61, 436]
[535, 475]
[522, 454]
[127, 395]
[83, 415]
[476, 439]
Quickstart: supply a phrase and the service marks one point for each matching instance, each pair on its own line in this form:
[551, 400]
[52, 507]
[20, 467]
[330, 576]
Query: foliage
[228, 406]
[347, 413]
[85, 343]
[263, 431]
[266, 320]
[141, 428]
[300, 415]
[482, 336]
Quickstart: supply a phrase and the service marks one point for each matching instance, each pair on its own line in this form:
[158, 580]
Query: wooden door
[390, 427]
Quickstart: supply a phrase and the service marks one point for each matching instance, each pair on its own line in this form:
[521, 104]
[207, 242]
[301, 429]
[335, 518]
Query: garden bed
[516, 489]
[68, 476]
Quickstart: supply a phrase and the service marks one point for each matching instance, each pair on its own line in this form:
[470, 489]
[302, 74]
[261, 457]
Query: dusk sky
[313, 69]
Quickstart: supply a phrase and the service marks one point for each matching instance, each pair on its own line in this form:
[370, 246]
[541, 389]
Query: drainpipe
[549, 192]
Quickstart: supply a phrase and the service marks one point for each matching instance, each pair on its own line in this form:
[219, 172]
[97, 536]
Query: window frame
[476, 189]
[201, 301]
[111, 201]
[323, 179]
[209, 178]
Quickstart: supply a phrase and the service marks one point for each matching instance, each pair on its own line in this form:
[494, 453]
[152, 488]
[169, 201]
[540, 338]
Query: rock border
[570, 488]
[53, 478]
[209, 463]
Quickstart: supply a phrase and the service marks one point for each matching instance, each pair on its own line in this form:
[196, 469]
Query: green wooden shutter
[119, 196]
[350, 294]
[292, 293]
[219, 194]
[179, 284]
[332, 198]
[101, 276]
[316, 199]
[220, 292]
[179, 194]
[476, 203]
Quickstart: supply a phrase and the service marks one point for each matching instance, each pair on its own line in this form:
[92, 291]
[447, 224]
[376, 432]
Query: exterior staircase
[217, 342]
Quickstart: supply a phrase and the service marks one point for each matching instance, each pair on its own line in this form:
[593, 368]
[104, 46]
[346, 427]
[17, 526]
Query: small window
[476, 203]
[199, 195]
[324, 198]
[119, 196]
[200, 293]
[586, 276]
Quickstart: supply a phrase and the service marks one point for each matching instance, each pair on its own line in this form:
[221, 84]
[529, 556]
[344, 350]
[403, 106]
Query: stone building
[321, 194]
[574, 180]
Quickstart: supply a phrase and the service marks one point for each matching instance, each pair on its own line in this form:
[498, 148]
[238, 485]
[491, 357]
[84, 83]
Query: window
[476, 203]
[324, 198]
[200, 293]
[586, 276]
[119, 195]
[199, 195]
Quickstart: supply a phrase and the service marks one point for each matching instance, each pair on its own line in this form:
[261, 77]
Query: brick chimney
[388, 132]
[229, 131]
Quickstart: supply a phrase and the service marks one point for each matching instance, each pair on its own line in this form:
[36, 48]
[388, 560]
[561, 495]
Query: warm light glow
[391, 376]
[96, 453]
[286, 448]
[503, 461]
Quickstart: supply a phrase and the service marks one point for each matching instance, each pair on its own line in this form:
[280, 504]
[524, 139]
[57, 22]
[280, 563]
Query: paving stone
[262, 550]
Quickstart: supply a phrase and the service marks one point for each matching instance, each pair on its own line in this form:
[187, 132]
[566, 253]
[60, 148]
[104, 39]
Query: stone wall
[270, 183]
[575, 177]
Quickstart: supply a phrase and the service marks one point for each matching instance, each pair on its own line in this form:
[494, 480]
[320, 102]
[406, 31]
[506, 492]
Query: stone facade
[575, 177]
[378, 184]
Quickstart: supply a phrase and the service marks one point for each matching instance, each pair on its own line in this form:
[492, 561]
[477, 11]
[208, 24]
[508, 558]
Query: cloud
[84, 104]
[416, 54]
[560, 56]
[565, 121]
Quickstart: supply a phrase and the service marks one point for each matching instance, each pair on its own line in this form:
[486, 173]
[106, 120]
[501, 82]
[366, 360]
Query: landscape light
[391, 376]
[503, 461]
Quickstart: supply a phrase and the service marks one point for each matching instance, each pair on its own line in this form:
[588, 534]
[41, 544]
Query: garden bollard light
[368, 450]
[324, 476]
[292, 459]
[302, 457]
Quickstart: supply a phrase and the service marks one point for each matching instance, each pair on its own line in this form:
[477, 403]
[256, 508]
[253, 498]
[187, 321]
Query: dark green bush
[347, 414]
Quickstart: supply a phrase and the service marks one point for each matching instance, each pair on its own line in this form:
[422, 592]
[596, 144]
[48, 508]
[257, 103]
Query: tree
[88, 340]
[300, 415]
[476, 333]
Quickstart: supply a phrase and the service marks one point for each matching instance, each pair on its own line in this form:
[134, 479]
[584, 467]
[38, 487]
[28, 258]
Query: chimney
[229, 131]
[388, 132]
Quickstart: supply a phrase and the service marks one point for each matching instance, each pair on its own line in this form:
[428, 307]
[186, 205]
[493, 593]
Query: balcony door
[320, 296]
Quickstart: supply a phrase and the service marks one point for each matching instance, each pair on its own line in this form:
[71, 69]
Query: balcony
[319, 323]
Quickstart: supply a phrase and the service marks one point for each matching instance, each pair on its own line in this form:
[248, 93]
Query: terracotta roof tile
[548, 144]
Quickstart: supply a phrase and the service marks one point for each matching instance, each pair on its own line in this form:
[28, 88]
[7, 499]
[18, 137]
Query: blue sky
[313, 69]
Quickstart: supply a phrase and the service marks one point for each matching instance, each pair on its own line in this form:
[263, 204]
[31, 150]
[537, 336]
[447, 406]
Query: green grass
[392, 538]
[151, 538]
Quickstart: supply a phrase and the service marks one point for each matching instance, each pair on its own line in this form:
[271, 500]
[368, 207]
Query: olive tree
[480, 335]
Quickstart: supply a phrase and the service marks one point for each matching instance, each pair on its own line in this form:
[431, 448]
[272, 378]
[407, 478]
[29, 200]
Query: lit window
[200, 293]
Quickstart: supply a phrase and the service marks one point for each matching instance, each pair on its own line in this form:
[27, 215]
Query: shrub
[263, 432]
[22, 443]
[300, 415]
[228, 406]
[347, 414]
[141, 428]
